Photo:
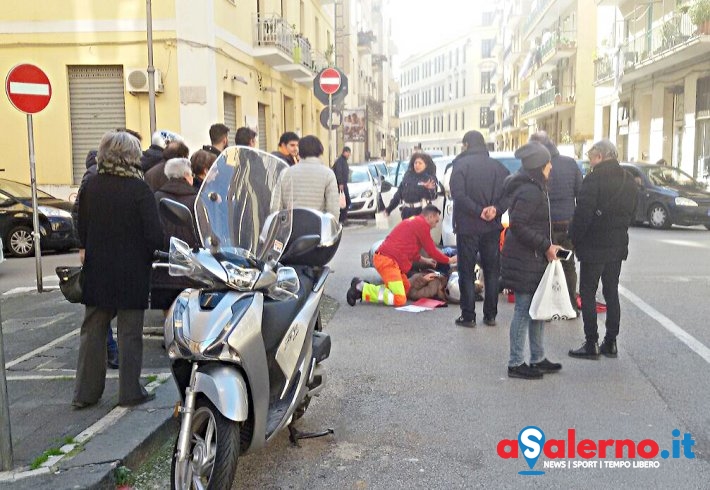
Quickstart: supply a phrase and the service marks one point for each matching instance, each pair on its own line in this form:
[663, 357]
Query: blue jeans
[521, 325]
[111, 344]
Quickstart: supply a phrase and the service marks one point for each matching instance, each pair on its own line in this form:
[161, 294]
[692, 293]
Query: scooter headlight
[240, 278]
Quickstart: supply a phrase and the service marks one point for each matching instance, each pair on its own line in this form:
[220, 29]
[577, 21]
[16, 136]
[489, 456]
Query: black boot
[608, 348]
[589, 350]
[354, 294]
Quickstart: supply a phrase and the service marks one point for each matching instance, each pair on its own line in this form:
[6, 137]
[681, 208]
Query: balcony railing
[539, 101]
[535, 15]
[664, 37]
[558, 42]
[374, 107]
[508, 122]
[603, 69]
[302, 51]
[365, 39]
[273, 30]
[319, 62]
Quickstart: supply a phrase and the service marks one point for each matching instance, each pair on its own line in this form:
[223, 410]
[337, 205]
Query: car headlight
[240, 278]
[53, 212]
[366, 194]
[684, 201]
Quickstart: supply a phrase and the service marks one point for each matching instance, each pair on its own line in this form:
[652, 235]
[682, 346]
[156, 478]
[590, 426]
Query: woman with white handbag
[526, 253]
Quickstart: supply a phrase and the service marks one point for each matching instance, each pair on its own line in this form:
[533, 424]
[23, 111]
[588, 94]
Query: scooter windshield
[243, 208]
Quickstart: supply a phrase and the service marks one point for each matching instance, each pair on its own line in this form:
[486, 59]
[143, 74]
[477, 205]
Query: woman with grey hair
[119, 230]
[178, 188]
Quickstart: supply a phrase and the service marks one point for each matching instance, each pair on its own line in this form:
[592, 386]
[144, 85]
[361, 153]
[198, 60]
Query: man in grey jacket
[563, 187]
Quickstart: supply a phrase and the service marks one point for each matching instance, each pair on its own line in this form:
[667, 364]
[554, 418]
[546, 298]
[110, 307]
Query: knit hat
[533, 155]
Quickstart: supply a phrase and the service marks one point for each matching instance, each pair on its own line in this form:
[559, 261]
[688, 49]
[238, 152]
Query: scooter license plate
[365, 260]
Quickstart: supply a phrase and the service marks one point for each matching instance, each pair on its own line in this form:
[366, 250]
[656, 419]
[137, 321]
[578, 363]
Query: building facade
[447, 91]
[652, 74]
[544, 72]
[216, 61]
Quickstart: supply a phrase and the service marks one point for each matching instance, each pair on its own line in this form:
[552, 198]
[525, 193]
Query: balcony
[603, 69]
[667, 44]
[548, 102]
[544, 16]
[374, 107]
[365, 40]
[560, 45]
[274, 40]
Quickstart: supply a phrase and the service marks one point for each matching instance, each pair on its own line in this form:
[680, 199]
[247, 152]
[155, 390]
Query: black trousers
[561, 238]
[467, 248]
[589, 274]
[91, 368]
[344, 211]
[408, 212]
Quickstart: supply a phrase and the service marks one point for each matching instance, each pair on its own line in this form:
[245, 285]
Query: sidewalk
[70, 448]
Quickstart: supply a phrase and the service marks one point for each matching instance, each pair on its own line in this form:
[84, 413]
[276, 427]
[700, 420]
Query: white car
[2, 256]
[507, 158]
[364, 191]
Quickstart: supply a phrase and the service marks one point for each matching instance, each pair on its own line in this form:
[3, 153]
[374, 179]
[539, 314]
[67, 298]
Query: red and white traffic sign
[28, 88]
[329, 81]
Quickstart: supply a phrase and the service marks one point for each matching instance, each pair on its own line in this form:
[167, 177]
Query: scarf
[120, 169]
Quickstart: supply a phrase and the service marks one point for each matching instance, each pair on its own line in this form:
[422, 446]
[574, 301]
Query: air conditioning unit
[137, 81]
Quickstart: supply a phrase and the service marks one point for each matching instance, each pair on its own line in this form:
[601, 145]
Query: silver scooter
[246, 348]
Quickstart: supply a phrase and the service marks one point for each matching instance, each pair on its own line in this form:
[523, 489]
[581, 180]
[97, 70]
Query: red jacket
[406, 239]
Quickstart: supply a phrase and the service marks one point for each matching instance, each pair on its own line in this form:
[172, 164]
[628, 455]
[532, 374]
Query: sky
[418, 25]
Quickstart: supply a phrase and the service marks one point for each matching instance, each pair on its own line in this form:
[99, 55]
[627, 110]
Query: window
[487, 18]
[484, 117]
[463, 86]
[487, 86]
[463, 121]
[487, 48]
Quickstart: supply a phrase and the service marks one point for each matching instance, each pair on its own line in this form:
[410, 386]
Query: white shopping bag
[342, 202]
[382, 222]
[551, 299]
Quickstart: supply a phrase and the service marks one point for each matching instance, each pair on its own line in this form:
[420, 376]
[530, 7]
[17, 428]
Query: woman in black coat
[119, 230]
[418, 187]
[527, 250]
[180, 188]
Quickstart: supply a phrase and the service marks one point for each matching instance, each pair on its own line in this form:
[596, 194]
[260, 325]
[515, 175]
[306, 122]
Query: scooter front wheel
[213, 451]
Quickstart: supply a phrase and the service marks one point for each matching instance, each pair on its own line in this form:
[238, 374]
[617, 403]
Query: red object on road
[28, 88]
[329, 81]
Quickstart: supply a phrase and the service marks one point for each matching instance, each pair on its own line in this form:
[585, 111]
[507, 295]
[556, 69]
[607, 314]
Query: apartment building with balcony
[241, 63]
[652, 74]
[447, 90]
[545, 72]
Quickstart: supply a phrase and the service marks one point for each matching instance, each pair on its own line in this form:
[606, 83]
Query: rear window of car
[512, 164]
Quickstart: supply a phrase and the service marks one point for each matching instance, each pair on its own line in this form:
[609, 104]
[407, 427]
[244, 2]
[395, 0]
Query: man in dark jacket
[342, 172]
[154, 154]
[219, 137]
[563, 187]
[155, 177]
[288, 148]
[477, 190]
[606, 206]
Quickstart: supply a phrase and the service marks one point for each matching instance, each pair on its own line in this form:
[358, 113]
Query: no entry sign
[28, 88]
[329, 81]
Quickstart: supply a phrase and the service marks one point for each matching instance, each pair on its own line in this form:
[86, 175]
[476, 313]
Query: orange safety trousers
[396, 285]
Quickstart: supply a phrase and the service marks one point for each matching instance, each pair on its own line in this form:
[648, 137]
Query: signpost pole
[330, 129]
[35, 214]
[5, 432]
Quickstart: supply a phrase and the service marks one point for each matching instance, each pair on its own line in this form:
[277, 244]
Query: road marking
[44, 348]
[686, 243]
[694, 344]
[27, 289]
[71, 374]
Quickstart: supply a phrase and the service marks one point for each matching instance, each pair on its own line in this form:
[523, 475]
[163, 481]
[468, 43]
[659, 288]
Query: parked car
[668, 196]
[365, 186]
[55, 221]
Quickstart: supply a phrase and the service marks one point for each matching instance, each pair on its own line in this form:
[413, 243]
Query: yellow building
[241, 63]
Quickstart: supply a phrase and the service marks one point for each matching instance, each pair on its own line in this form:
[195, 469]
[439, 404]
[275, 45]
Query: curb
[129, 441]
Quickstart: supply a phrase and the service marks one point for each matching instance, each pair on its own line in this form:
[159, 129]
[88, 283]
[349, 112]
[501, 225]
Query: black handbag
[70, 282]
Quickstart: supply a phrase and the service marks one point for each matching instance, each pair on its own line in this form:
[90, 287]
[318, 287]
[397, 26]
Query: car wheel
[658, 217]
[20, 242]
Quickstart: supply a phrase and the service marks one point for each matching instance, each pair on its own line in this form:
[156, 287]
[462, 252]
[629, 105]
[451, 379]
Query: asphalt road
[21, 273]
[417, 402]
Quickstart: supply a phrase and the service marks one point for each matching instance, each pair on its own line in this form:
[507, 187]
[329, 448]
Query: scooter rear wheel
[213, 451]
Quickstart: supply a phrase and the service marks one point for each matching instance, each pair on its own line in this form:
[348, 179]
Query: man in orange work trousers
[394, 259]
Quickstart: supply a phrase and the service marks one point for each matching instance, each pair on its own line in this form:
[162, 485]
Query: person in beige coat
[312, 184]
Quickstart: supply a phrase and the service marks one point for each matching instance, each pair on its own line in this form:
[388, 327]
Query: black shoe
[524, 372]
[546, 366]
[112, 360]
[589, 350]
[354, 295]
[139, 401]
[491, 322]
[461, 322]
[608, 348]
[76, 405]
